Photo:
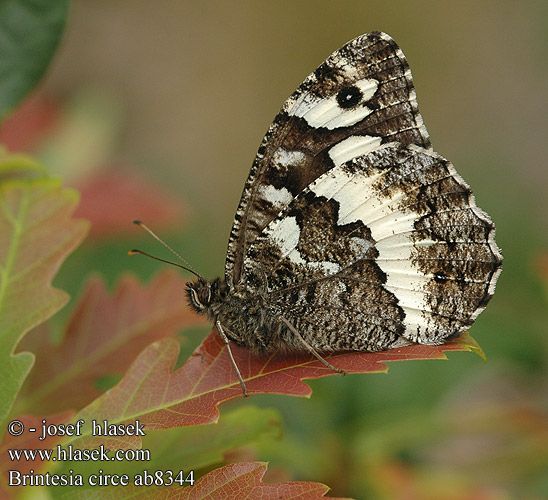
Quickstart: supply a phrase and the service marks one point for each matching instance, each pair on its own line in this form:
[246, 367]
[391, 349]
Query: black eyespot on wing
[440, 277]
[348, 97]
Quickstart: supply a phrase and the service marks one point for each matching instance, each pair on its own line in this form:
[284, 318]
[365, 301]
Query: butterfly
[351, 234]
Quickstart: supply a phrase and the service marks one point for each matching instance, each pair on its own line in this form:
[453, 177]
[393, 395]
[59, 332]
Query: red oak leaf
[232, 482]
[244, 480]
[162, 398]
[103, 337]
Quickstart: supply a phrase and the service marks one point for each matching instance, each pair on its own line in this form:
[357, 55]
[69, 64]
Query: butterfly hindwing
[385, 249]
[360, 97]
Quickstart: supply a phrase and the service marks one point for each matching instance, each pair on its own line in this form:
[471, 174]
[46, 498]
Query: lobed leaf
[162, 398]
[37, 232]
[29, 35]
[103, 337]
[232, 482]
[244, 480]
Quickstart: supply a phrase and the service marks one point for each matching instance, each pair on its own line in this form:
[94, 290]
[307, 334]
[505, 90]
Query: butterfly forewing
[362, 96]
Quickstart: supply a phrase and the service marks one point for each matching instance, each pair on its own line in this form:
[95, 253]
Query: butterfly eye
[195, 300]
[348, 97]
[204, 295]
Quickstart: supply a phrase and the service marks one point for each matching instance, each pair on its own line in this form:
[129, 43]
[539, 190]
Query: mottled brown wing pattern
[362, 96]
[383, 250]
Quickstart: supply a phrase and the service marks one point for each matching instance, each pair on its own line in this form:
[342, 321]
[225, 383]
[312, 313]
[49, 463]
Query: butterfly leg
[308, 347]
[221, 331]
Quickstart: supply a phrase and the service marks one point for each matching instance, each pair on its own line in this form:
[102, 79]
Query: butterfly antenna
[188, 266]
[140, 252]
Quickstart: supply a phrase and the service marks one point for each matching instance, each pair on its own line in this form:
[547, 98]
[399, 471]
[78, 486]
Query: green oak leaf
[194, 448]
[204, 445]
[36, 234]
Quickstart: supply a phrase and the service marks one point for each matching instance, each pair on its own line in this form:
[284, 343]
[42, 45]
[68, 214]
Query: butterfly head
[203, 294]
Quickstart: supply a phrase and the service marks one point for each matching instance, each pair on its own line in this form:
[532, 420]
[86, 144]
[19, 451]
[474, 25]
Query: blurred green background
[180, 94]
